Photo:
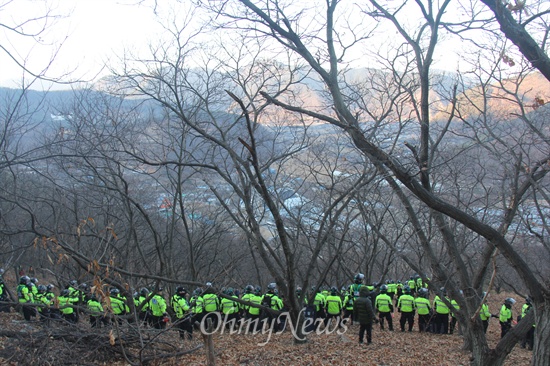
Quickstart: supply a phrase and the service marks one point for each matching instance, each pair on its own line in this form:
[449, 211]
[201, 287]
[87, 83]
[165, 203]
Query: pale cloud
[86, 32]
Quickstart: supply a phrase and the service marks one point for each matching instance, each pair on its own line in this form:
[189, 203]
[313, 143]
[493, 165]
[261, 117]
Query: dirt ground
[387, 348]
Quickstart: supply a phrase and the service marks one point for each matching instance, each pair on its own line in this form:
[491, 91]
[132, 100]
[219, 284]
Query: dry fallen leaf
[112, 338]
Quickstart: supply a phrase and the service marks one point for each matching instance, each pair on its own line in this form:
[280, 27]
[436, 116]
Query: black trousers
[143, 316]
[452, 325]
[253, 323]
[98, 321]
[71, 318]
[529, 339]
[231, 320]
[504, 328]
[158, 322]
[4, 308]
[424, 323]
[197, 318]
[185, 328]
[348, 313]
[441, 324]
[28, 312]
[213, 316]
[43, 314]
[386, 316]
[407, 318]
[365, 328]
[336, 320]
[485, 325]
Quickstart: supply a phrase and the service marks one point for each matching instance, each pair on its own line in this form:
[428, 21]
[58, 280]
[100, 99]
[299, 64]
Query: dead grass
[388, 348]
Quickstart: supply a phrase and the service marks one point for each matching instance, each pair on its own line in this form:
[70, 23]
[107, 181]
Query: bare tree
[324, 56]
[522, 30]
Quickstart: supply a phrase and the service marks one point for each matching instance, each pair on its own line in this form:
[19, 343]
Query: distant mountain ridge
[312, 94]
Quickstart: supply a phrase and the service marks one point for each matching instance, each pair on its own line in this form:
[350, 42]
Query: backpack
[267, 301]
[20, 292]
[355, 289]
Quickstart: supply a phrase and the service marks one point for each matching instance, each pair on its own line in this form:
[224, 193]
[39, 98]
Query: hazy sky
[91, 32]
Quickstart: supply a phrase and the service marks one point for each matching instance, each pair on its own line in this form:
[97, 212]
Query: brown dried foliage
[23, 343]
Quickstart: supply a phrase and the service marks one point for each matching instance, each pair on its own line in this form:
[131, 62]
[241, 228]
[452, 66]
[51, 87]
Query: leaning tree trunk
[541, 350]
[296, 316]
[469, 331]
[482, 355]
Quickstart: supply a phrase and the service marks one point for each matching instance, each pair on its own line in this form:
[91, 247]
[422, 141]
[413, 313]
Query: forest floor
[387, 348]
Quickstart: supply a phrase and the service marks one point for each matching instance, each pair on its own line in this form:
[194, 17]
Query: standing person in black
[364, 313]
[3, 294]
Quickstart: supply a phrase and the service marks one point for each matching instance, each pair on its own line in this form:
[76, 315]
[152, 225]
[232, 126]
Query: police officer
[42, 299]
[54, 312]
[33, 286]
[143, 305]
[398, 291]
[343, 292]
[66, 303]
[248, 293]
[325, 291]
[334, 306]
[95, 310]
[484, 313]
[74, 294]
[25, 297]
[412, 285]
[419, 284]
[392, 289]
[372, 291]
[349, 299]
[453, 322]
[253, 311]
[406, 306]
[505, 316]
[355, 287]
[230, 308]
[529, 338]
[197, 305]
[3, 293]
[118, 304]
[319, 303]
[181, 308]
[441, 316]
[272, 304]
[84, 293]
[72, 287]
[211, 303]
[157, 306]
[383, 304]
[424, 310]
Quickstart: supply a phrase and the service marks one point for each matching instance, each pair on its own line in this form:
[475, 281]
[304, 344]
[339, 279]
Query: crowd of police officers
[185, 310]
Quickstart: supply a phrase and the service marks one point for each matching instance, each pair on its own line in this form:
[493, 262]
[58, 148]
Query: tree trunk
[541, 350]
[517, 33]
[295, 323]
[468, 330]
[482, 355]
[209, 344]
